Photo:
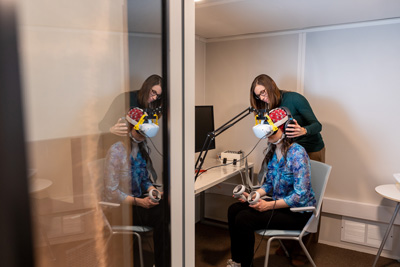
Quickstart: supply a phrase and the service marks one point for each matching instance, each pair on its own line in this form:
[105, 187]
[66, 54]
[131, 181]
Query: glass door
[92, 165]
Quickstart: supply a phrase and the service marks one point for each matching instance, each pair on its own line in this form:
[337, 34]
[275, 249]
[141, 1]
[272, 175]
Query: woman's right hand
[245, 194]
[120, 128]
[146, 203]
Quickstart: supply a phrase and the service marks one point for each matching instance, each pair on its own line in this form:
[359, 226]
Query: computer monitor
[204, 124]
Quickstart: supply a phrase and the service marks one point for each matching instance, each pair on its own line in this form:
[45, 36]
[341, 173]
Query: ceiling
[222, 18]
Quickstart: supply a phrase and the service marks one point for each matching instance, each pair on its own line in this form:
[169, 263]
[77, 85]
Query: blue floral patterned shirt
[290, 179]
[124, 176]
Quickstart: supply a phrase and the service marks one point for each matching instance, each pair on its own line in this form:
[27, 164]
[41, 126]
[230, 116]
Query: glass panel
[81, 62]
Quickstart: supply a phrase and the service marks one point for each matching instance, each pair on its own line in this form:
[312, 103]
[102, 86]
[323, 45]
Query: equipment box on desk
[235, 157]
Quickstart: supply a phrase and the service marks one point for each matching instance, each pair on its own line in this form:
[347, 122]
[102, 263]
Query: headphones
[290, 119]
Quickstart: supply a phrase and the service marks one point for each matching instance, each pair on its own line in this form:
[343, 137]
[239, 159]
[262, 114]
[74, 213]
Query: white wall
[200, 68]
[74, 59]
[350, 79]
[231, 67]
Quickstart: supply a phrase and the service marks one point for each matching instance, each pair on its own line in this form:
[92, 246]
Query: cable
[216, 166]
[266, 228]
[151, 141]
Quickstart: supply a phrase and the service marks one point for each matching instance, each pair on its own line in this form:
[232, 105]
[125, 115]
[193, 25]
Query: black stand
[211, 135]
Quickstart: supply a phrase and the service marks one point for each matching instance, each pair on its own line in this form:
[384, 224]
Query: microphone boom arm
[211, 136]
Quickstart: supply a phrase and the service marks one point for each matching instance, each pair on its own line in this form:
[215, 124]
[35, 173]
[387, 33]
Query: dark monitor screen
[204, 123]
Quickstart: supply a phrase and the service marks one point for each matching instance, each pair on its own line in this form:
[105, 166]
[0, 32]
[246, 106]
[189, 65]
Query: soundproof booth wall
[349, 75]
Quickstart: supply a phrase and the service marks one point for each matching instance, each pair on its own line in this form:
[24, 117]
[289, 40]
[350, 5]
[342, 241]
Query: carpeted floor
[213, 250]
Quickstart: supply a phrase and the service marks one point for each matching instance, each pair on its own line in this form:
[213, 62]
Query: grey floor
[213, 250]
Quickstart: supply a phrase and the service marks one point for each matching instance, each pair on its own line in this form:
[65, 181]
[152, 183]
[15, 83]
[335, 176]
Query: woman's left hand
[295, 130]
[261, 205]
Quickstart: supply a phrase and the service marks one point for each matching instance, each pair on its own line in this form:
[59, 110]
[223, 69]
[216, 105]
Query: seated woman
[288, 179]
[127, 181]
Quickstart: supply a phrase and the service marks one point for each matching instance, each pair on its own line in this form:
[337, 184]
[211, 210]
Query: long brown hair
[274, 94]
[143, 147]
[270, 150]
[144, 92]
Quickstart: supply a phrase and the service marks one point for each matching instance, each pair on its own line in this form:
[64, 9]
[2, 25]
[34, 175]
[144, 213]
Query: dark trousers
[153, 217]
[243, 221]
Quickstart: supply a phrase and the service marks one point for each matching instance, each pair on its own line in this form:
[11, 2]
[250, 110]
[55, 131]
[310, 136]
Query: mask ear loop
[280, 139]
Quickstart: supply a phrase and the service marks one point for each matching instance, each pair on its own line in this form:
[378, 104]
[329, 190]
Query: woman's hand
[146, 202]
[262, 205]
[245, 194]
[295, 130]
[120, 128]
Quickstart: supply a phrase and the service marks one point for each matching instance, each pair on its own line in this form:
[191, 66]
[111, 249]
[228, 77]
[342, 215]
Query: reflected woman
[148, 96]
[127, 180]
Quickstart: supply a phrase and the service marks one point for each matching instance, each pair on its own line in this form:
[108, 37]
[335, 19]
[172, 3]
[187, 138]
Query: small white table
[389, 191]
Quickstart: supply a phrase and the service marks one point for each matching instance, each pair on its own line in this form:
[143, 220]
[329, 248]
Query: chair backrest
[319, 179]
[96, 172]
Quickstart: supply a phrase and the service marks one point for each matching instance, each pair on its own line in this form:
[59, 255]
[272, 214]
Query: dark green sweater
[302, 112]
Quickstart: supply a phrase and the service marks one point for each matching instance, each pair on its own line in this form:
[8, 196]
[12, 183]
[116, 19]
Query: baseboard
[365, 211]
[363, 249]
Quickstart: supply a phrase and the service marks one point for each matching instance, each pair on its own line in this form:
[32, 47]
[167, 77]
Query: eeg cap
[138, 118]
[279, 117]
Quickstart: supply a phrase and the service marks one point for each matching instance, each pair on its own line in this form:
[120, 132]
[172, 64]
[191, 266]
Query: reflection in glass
[80, 62]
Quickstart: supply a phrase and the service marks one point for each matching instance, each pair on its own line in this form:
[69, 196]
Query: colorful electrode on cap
[279, 117]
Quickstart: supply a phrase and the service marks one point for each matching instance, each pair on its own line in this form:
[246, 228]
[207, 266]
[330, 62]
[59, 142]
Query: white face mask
[280, 139]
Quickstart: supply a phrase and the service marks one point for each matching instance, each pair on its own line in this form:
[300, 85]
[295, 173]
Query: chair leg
[140, 248]
[306, 252]
[284, 248]
[267, 252]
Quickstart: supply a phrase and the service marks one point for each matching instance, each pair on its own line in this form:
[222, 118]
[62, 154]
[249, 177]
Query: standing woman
[287, 169]
[306, 131]
[148, 96]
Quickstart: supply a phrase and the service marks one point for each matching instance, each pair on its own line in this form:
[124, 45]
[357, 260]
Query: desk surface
[389, 191]
[216, 175]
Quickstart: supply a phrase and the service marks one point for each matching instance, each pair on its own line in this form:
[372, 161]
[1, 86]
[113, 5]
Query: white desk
[218, 175]
[389, 191]
[215, 176]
